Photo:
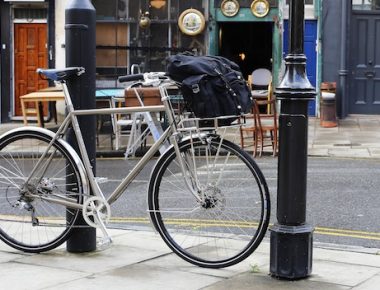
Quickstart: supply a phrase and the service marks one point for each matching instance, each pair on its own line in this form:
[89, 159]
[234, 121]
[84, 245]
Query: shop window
[150, 46]
[30, 13]
[122, 40]
[366, 5]
[110, 9]
[310, 9]
[307, 2]
[111, 49]
[246, 3]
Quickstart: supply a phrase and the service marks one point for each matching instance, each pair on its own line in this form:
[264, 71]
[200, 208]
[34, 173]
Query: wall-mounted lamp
[157, 3]
[144, 20]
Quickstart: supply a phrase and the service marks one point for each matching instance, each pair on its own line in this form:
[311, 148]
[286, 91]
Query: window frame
[310, 10]
[365, 3]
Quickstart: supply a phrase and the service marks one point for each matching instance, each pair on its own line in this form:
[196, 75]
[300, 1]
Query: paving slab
[128, 247]
[348, 255]
[10, 256]
[19, 276]
[252, 281]
[94, 262]
[257, 261]
[318, 151]
[141, 277]
[345, 274]
[350, 152]
[372, 283]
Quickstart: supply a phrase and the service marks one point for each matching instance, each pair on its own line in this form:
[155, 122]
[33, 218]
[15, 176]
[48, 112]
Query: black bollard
[80, 19]
[291, 239]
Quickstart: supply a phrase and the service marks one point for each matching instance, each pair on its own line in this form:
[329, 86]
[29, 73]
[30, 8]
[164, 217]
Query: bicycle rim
[231, 220]
[27, 222]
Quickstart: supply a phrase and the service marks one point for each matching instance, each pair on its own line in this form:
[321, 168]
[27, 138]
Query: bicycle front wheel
[28, 220]
[224, 217]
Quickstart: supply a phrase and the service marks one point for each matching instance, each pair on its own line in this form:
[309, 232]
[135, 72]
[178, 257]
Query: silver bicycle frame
[71, 118]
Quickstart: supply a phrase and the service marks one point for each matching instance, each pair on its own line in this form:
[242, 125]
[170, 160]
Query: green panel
[245, 14]
[212, 31]
[317, 8]
[277, 54]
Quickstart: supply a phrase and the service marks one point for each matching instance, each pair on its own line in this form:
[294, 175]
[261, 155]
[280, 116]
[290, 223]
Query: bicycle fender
[67, 146]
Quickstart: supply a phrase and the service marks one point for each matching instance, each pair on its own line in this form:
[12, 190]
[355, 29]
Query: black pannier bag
[212, 86]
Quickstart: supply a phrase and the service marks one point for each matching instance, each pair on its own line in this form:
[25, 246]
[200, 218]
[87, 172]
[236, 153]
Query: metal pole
[80, 19]
[291, 237]
[343, 72]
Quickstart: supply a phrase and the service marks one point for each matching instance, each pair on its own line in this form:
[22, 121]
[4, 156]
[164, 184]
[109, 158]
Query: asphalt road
[343, 202]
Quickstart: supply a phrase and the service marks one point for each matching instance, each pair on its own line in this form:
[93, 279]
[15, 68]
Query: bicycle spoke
[29, 220]
[228, 221]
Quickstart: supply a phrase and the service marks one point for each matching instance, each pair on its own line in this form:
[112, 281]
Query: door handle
[370, 74]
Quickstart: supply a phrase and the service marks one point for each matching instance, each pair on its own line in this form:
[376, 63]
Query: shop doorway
[30, 53]
[249, 44]
[365, 63]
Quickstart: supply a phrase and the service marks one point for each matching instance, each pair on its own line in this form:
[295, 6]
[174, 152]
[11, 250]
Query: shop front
[248, 32]
[27, 42]
[141, 34]
[352, 59]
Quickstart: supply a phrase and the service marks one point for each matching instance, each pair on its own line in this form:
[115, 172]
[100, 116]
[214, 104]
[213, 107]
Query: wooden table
[55, 94]
[38, 98]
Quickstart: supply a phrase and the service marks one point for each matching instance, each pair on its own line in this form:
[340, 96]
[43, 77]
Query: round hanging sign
[191, 22]
[230, 8]
[260, 8]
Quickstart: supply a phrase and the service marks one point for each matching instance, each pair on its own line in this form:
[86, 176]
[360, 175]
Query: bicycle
[207, 198]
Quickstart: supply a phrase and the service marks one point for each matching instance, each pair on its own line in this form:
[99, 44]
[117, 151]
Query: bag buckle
[195, 88]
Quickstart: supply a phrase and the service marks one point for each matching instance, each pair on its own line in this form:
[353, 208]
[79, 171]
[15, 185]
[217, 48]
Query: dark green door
[365, 64]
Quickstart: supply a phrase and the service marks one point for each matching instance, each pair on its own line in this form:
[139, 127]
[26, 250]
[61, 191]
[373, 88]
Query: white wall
[60, 56]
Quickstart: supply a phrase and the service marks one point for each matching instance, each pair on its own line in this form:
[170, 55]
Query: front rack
[208, 124]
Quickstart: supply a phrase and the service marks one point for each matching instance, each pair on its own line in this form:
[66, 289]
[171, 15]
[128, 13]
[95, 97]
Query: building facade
[138, 35]
[351, 54]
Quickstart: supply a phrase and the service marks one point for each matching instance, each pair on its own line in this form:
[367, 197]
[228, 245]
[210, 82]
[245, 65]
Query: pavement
[357, 136]
[139, 259]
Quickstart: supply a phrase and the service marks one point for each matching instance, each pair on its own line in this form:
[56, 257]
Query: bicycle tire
[28, 223]
[232, 220]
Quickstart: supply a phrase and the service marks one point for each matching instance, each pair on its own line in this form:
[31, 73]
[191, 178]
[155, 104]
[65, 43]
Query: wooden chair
[268, 124]
[263, 125]
[260, 129]
[250, 130]
[260, 81]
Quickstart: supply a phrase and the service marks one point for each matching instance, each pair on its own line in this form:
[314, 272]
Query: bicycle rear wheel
[27, 221]
[226, 220]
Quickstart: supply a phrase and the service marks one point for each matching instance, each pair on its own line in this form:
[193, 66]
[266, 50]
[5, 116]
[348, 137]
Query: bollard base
[329, 124]
[291, 251]
[82, 239]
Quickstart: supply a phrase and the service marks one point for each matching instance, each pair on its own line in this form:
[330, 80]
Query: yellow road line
[348, 233]
[194, 222]
[366, 235]
[317, 230]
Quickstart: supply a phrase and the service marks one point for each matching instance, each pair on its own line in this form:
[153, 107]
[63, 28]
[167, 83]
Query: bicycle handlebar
[147, 78]
[130, 78]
